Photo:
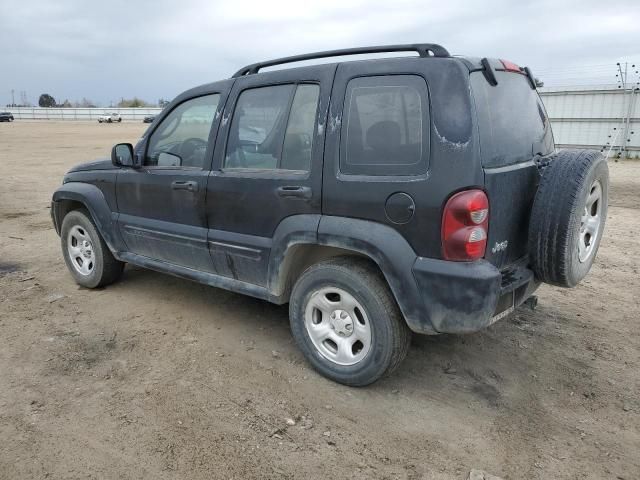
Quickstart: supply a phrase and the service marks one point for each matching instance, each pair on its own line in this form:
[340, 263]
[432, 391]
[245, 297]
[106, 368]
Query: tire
[109, 121]
[99, 121]
[119, 120]
[363, 292]
[566, 223]
[101, 267]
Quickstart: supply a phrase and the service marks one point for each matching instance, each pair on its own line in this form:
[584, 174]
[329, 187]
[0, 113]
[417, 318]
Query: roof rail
[423, 49]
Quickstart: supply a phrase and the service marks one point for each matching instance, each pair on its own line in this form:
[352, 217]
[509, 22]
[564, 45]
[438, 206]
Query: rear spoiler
[488, 70]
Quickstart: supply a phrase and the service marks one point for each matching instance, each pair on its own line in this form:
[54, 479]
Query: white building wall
[594, 118]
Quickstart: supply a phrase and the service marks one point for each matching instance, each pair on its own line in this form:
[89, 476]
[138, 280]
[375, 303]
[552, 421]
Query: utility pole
[627, 111]
[622, 129]
[13, 98]
[630, 111]
[622, 79]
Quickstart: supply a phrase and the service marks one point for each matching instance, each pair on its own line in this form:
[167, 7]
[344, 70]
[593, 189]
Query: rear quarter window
[513, 123]
[385, 128]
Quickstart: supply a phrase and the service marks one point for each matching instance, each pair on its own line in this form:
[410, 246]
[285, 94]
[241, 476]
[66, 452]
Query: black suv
[376, 197]
[6, 117]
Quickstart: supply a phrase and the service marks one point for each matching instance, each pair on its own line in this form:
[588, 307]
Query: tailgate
[511, 191]
[514, 130]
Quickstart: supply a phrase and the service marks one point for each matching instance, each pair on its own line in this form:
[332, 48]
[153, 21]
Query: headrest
[384, 135]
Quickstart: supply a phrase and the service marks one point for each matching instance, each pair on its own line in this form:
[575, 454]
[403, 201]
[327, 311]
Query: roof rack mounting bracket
[423, 49]
[488, 72]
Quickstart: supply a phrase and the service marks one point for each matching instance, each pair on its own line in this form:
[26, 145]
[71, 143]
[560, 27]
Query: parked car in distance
[109, 118]
[377, 198]
[6, 117]
[149, 119]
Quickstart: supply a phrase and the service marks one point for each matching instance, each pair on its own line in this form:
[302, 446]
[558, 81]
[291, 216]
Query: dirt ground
[157, 377]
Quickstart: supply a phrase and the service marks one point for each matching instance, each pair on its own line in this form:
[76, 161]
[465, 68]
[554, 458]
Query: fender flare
[291, 232]
[95, 202]
[383, 245]
[390, 251]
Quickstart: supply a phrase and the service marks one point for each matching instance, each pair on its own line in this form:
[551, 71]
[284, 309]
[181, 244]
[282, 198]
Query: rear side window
[517, 127]
[385, 126]
[273, 128]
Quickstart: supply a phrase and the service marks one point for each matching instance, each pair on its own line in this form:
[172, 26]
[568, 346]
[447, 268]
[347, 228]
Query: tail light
[465, 225]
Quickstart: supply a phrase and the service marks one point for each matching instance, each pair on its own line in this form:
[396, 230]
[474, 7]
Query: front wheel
[347, 323]
[86, 254]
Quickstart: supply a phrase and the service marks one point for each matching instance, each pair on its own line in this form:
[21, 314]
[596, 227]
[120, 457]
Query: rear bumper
[466, 297]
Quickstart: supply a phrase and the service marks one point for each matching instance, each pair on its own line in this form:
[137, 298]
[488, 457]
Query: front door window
[181, 139]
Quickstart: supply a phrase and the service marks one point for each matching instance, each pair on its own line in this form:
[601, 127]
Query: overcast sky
[156, 49]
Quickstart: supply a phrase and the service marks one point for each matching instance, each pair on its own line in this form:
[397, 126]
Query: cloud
[104, 51]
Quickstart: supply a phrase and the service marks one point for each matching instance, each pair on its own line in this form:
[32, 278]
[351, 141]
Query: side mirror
[122, 155]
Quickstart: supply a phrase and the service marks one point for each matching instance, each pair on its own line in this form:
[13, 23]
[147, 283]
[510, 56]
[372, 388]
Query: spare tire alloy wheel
[590, 223]
[338, 326]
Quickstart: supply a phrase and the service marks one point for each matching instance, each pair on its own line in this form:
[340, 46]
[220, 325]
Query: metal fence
[55, 113]
[607, 117]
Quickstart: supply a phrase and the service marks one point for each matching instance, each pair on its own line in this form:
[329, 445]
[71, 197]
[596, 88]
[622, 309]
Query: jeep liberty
[376, 197]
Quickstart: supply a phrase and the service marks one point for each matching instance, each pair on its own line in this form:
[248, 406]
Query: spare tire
[568, 216]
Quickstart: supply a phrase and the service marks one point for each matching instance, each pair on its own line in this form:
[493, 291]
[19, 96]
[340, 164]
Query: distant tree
[66, 104]
[163, 103]
[46, 100]
[86, 103]
[135, 102]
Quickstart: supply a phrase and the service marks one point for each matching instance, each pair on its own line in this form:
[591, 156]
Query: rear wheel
[347, 323]
[86, 254]
[568, 216]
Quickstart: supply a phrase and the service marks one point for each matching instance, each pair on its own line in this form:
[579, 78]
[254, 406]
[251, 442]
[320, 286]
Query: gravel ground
[157, 377]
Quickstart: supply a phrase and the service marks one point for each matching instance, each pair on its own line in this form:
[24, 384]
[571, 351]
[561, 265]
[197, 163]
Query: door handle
[191, 186]
[288, 191]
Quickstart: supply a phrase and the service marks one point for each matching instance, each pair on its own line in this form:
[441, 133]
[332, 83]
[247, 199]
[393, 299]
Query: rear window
[385, 128]
[512, 120]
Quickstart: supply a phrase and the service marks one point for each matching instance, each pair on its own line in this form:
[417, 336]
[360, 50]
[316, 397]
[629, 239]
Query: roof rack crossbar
[423, 49]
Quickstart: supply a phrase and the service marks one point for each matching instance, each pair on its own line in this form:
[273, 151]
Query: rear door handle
[182, 185]
[294, 191]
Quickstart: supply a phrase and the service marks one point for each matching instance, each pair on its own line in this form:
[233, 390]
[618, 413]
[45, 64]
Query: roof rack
[423, 49]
